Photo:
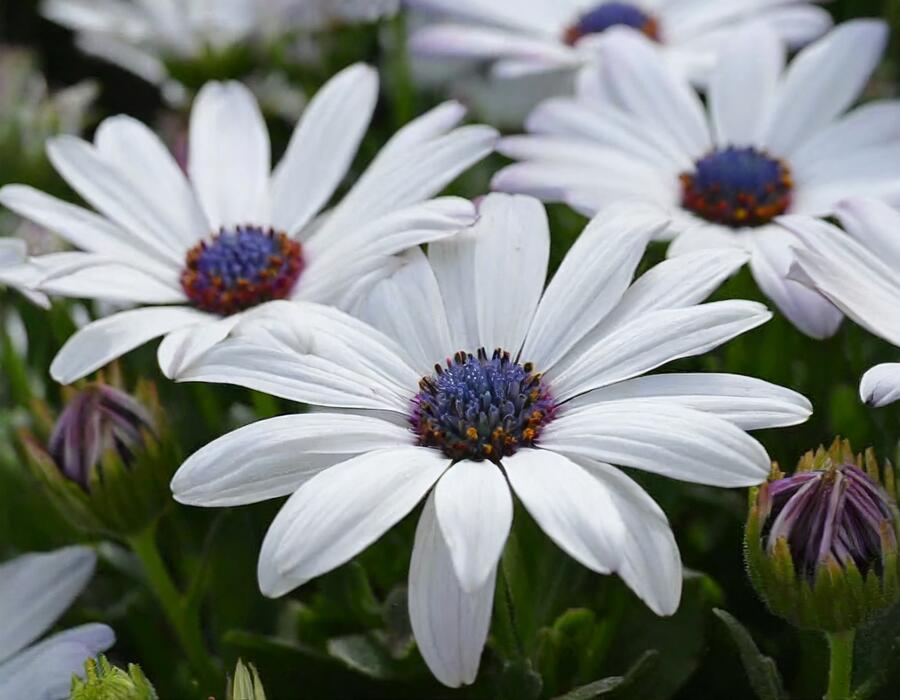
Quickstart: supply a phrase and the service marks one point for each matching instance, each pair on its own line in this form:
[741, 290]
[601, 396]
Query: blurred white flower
[537, 390]
[142, 36]
[18, 272]
[195, 252]
[35, 590]
[857, 269]
[531, 36]
[773, 139]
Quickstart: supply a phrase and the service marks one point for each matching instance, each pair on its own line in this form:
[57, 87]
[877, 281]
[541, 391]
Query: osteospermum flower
[197, 252]
[774, 140]
[547, 35]
[856, 269]
[478, 381]
[35, 590]
[147, 37]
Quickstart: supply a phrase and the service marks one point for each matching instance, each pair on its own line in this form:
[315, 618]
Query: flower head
[106, 460]
[196, 253]
[822, 543]
[469, 382]
[772, 139]
[552, 35]
[35, 590]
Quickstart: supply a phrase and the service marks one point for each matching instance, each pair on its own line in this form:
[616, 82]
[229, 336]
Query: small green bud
[102, 681]
[821, 544]
[107, 460]
[246, 684]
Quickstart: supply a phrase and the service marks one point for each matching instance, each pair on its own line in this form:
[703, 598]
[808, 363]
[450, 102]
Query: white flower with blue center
[146, 36]
[197, 252]
[35, 590]
[532, 36]
[856, 269]
[472, 382]
[774, 140]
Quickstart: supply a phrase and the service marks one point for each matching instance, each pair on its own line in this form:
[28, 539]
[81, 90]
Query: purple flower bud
[99, 419]
[837, 515]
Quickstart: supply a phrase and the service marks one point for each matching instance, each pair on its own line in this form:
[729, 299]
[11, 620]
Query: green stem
[185, 622]
[511, 610]
[840, 671]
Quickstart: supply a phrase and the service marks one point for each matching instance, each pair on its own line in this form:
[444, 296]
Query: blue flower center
[738, 187]
[480, 407]
[612, 14]
[241, 267]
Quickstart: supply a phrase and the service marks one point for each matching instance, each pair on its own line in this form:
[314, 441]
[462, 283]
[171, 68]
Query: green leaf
[519, 681]
[362, 653]
[761, 670]
[615, 684]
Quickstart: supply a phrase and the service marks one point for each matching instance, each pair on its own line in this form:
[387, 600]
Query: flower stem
[511, 610]
[185, 623]
[841, 669]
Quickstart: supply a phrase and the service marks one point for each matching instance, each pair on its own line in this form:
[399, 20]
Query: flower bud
[107, 462]
[821, 545]
[103, 681]
[246, 684]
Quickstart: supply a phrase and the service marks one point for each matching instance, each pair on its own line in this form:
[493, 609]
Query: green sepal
[103, 681]
[246, 684]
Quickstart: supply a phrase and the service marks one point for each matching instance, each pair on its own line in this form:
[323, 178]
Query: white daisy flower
[856, 269]
[197, 252]
[142, 36]
[35, 590]
[542, 391]
[774, 140]
[539, 35]
[18, 273]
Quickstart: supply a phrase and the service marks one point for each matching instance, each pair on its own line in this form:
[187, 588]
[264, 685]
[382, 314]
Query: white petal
[229, 158]
[419, 320]
[44, 671]
[474, 510]
[676, 283]
[100, 342]
[652, 563]
[574, 509]
[823, 80]
[743, 85]
[90, 276]
[749, 403]
[141, 158]
[530, 17]
[450, 625]
[880, 386]
[652, 340]
[808, 310]
[311, 354]
[591, 280]
[411, 168]
[460, 41]
[84, 229]
[671, 440]
[334, 264]
[874, 224]
[647, 87]
[274, 457]
[323, 146]
[511, 253]
[855, 280]
[96, 179]
[341, 511]
[183, 346]
[705, 237]
[35, 589]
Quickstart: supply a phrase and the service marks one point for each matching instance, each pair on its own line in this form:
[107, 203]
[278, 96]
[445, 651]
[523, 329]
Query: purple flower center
[241, 267]
[98, 419]
[480, 407]
[838, 515]
[738, 187]
[612, 14]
